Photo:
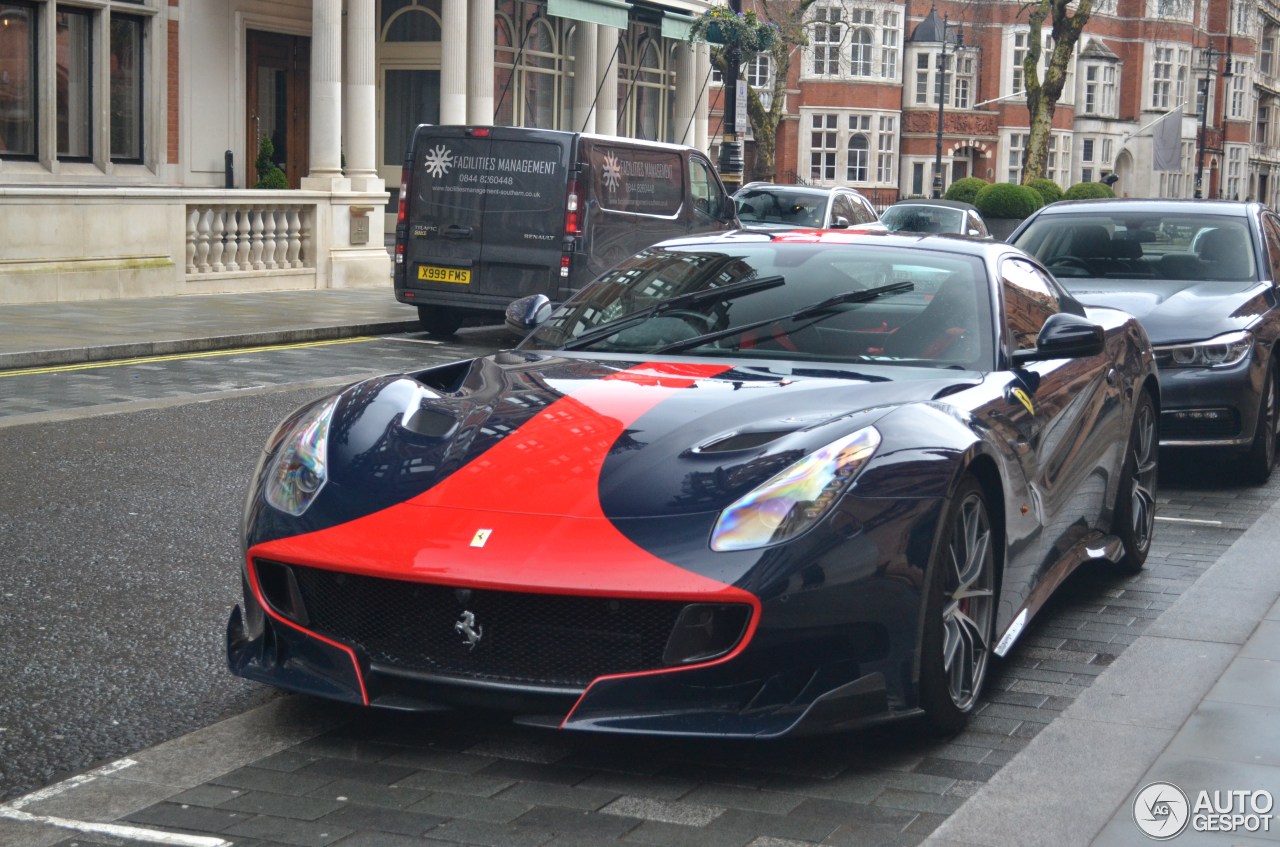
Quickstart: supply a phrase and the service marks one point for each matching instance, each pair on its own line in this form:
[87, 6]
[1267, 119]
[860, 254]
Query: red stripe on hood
[536, 493]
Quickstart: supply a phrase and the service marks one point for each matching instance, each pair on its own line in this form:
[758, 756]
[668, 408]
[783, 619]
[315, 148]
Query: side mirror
[528, 313]
[1064, 336]
[841, 222]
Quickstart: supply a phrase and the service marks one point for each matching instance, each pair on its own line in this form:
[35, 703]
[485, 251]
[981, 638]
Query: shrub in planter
[1047, 189]
[965, 189]
[1006, 200]
[1089, 191]
[269, 173]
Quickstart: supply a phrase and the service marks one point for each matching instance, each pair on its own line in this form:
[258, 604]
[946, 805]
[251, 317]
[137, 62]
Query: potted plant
[742, 30]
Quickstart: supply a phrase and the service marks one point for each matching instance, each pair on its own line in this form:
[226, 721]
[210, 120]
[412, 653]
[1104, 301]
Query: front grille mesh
[525, 638]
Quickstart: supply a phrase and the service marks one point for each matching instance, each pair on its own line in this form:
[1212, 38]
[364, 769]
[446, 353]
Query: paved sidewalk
[44, 334]
[1194, 701]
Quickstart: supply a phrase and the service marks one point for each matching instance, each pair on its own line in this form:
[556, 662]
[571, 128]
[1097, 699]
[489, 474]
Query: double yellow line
[206, 354]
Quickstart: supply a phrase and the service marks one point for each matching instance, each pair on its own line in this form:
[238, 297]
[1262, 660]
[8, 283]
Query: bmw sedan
[764, 205]
[746, 485]
[1202, 277]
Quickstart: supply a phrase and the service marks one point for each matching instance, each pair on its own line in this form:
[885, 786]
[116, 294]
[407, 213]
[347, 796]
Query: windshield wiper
[822, 307]
[680, 301]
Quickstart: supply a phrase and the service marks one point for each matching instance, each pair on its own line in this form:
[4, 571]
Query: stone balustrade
[234, 238]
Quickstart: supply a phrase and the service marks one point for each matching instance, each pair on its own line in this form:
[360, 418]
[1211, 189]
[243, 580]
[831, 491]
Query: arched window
[860, 52]
[538, 98]
[859, 149]
[648, 94]
[504, 52]
[567, 79]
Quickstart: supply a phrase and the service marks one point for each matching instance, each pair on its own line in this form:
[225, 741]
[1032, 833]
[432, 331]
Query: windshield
[780, 208]
[923, 219]
[829, 302]
[1156, 245]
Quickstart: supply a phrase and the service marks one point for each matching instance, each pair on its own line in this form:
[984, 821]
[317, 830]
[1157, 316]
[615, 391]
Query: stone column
[702, 67]
[688, 83]
[585, 78]
[606, 81]
[480, 64]
[326, 98]
[453, 62]
[360, 112]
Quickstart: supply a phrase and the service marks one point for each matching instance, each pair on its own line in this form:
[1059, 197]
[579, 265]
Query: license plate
[429, 273]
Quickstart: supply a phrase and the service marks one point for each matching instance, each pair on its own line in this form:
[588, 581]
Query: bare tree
[1043, 95]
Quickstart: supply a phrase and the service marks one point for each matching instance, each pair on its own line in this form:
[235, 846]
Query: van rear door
[486, 218]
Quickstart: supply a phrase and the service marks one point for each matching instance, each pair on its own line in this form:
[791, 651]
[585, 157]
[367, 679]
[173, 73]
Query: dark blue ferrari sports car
[742, 485]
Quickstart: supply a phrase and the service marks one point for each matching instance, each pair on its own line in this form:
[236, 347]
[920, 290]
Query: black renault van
[489, 214]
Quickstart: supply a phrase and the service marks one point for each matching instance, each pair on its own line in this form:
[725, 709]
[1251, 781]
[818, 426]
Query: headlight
[1217, 352]
[298, 471]
[795, 499]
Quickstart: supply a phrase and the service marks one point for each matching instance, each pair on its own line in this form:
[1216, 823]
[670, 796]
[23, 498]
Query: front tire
[1135, 512]
[959, 613]
[1261, 457]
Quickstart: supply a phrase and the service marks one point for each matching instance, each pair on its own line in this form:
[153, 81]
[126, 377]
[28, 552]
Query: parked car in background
[1202, 278]
[765, 205]
[743, 485]
[490, 214]
[935, 216]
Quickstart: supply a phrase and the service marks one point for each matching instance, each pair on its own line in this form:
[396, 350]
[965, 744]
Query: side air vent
[738, 441]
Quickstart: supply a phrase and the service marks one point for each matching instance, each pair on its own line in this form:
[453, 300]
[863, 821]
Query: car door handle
[456, 231]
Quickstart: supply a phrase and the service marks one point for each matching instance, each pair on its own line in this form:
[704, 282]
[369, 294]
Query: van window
[646, 182]
[707, 197]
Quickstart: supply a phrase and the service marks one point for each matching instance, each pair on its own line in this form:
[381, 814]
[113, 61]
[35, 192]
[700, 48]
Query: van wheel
[438, 320]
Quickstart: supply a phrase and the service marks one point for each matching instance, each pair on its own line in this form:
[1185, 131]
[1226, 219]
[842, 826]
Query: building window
[18, 113]
[1059, 150]
[822, 148]
[962, 80]
[759, 71]
[859, 155]
[1262, 120]
[126, 88]
[828, 32]
[1106, 151]
[1017, 146]
[886, 170]
[1234, 184]
[1239, 88]
[1267, 51]
[841, 144]
[1086, 150]
[1020, 42]
[1100, 90]
[74, 103]
[860, 53]
[889, 46]
[922, 78]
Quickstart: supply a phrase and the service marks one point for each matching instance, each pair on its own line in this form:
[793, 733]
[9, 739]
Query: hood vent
[738, 441]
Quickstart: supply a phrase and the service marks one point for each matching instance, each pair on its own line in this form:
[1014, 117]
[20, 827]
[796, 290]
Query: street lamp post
[942, 99]
[730, 164]
[1209, 56]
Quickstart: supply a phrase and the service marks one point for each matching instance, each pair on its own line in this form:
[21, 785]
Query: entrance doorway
[277, 101]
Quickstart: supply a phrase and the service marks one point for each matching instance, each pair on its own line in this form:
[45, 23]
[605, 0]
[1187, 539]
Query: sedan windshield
[923, 219]
[1125, 245]
[798, 301]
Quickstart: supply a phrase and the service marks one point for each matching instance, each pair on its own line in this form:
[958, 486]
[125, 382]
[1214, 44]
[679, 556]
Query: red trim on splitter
[276, 616]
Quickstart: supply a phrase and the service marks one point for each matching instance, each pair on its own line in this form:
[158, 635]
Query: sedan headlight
[298, 471]
[1218, 352]
[795, 499]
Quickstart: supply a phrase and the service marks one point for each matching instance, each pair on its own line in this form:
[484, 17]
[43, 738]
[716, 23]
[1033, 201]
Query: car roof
[950, 204]
[815, 190]
[947, 241]
[1149, 206]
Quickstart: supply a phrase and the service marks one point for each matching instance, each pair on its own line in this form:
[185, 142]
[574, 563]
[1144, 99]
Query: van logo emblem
[481, 537]
[467, 626]
[438, 161]
[612, 172]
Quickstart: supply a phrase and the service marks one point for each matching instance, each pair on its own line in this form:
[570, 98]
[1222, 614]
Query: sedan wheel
[960, 613]
[1261, 457]
[1135, 520]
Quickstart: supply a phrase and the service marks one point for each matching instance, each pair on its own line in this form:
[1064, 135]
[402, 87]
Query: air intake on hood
[736, 441]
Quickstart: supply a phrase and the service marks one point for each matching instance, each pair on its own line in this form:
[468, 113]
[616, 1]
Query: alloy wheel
[1142, 510]
[969, 604]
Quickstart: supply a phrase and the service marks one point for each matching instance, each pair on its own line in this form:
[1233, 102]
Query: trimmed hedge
[1048, 190]
[1089, 191]
[965, 189]
[1007, 200]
